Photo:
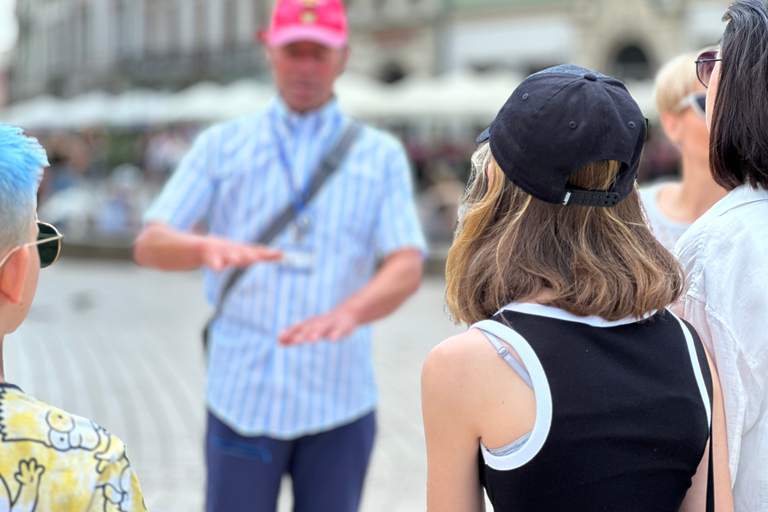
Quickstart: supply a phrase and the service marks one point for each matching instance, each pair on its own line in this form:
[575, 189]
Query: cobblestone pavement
[121, 345]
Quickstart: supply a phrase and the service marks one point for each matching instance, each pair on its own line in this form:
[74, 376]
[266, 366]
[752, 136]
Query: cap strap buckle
[591, 198]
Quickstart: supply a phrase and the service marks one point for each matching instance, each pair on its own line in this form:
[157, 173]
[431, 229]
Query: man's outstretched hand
[219, 253]
[165, 248]
[333, 326]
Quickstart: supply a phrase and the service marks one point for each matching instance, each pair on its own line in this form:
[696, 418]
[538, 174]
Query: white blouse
[725, 257]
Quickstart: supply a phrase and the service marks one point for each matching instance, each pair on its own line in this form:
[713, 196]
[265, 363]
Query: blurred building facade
[3, 87]
[625, 38]
[392, 39]
[68, 47]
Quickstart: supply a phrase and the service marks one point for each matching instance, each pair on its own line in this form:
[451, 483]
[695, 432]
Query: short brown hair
[512, 247]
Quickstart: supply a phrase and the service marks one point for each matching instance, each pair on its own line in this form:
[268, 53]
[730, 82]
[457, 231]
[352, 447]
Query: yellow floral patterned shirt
[53, 461]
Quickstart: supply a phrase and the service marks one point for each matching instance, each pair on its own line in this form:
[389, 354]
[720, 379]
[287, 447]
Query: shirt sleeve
[186, 197]
[118, 486]
[736, 379]
[724, 316]
[398, 226]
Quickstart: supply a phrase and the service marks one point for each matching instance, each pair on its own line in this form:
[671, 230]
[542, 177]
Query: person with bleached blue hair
[50, 460]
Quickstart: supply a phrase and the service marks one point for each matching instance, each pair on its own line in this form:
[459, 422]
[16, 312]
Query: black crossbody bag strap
[327, 167]
[710, 474]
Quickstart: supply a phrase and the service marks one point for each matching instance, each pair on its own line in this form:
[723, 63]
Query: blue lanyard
[298, 198]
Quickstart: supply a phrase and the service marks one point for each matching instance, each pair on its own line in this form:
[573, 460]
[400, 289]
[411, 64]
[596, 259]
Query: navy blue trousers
[327, 469]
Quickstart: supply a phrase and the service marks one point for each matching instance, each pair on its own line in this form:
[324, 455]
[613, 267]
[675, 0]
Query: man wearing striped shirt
[290, 377]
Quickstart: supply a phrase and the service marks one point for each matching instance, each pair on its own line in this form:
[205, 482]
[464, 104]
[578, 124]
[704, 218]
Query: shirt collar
[741, 195]
[322, 114]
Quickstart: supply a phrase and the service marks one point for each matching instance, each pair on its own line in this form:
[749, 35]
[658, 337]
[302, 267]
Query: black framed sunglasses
[704, 66]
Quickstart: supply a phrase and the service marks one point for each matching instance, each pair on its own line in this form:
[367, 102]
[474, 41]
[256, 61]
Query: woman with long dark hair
[725, 252]
[575, 389]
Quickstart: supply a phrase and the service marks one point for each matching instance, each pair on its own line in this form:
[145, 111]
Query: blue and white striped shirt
[233, 180]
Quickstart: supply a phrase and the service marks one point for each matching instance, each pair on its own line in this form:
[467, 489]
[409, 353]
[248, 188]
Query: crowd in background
[101, 181]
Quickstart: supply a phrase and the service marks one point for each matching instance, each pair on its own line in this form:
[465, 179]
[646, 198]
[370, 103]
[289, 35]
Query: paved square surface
[121, 345]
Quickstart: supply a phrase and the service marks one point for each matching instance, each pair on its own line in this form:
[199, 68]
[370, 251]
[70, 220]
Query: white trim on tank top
[538, 436]
[532, 308]
[696, 368]
[541, 391]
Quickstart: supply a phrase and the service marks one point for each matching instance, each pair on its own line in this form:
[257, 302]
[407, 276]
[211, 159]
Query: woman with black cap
[575, 389]
[725, 253]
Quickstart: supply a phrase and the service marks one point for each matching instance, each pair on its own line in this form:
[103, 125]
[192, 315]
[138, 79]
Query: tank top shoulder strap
[694, 348]
[502, 349]
[532, 373]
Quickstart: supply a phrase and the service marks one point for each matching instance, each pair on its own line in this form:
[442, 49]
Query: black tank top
[622, 419]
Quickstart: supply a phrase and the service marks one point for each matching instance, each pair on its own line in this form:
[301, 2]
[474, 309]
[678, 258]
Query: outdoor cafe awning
[463, 96]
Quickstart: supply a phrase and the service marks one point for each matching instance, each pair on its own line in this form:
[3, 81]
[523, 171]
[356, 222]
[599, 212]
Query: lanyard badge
[300, 228]
[297, 254]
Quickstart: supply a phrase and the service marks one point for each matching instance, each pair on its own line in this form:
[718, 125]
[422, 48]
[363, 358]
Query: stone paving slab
[121, 345]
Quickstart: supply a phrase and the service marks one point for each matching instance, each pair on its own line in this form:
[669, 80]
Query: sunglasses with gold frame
[49, 252]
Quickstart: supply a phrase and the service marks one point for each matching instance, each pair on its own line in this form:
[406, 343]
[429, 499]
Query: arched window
[631, 63]
[392, 72]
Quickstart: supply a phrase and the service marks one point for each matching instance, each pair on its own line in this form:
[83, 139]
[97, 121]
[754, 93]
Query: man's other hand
[333, 326]
[219, 253]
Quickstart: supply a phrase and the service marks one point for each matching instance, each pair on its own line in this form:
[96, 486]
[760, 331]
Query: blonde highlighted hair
[589, 261]
[674, 81]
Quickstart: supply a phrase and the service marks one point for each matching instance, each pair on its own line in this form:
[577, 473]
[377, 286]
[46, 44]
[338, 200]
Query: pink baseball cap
[318, 21]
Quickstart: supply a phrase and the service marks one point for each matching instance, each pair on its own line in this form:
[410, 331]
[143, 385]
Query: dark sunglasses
[48, 250]
[704, 66]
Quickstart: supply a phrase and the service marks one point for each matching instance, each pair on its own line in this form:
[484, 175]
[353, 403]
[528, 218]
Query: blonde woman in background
[574, 389]
[673, 206]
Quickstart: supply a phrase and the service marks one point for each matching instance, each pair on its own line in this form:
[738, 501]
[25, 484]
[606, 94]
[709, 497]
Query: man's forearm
[398, 278]
[164, 248]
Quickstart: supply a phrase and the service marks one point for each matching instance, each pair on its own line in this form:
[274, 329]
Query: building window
[230, 23]
[392, 72]
[124, 26]
[201, 25]
[631, 63]
[153, 27]
[173, 27]
[82, 40]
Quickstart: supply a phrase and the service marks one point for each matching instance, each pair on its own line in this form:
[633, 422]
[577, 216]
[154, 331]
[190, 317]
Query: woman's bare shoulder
[459, 355]
[465, 379]
[451, 379]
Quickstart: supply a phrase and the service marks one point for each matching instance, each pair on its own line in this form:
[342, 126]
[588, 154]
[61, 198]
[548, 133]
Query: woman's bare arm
[448, 407]
[696, 498]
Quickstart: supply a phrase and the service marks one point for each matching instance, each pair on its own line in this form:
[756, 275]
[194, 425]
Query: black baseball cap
[559, 120]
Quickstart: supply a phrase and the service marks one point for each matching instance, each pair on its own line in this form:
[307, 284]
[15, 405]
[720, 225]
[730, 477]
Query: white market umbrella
[199, 102]
[362, 96]
[38, 113]
[86, 110]
[243, 97]
[459, 96]
[139, 107]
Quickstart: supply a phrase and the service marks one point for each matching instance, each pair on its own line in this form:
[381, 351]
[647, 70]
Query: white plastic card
[299, 258]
